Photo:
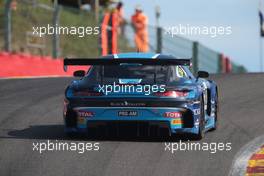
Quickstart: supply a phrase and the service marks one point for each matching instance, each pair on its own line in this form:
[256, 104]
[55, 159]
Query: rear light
[172, 114]
[87, 93]
[65, 105]
[173, 94]
[65, 102]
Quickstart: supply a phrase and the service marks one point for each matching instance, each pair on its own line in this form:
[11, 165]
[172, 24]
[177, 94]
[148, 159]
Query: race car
[141, 93]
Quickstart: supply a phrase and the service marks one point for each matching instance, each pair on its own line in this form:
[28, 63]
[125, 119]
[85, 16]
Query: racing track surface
[31, 111]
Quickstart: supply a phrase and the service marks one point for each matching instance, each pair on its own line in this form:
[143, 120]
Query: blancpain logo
[125, 103]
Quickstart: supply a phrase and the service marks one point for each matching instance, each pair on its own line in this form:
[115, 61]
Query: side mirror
[203, 74]
[79, 73]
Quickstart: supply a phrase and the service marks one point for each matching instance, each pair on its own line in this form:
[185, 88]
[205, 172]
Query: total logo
[172, 114]
[85, 114]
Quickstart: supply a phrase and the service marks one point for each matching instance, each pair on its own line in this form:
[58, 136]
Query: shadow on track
[56, 132]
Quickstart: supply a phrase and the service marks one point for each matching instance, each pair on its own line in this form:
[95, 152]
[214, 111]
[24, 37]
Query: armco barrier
[207, 59]
[22, 65]
[203, 58]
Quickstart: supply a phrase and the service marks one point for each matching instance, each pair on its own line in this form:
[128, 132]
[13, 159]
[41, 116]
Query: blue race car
[141, 93]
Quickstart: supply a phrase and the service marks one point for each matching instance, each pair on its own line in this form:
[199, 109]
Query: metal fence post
[220, 63]
[159, 40]
[56, 38]
[8, 30]
[159, 31]
[195, 57]
[96, 10]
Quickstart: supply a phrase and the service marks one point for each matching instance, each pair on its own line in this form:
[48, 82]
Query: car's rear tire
[70, 123]
[71, 134]
[71, 119]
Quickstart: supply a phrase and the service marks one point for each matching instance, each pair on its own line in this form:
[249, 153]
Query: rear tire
[72, 135]
[71, 122]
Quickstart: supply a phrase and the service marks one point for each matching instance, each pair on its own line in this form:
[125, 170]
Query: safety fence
[207, 59]
[24, 17]
[203, 58]
[176, 45]
[28, 15]
[33, 25]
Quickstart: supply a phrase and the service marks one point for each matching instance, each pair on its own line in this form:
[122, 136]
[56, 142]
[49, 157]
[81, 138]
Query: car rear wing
[112, 61]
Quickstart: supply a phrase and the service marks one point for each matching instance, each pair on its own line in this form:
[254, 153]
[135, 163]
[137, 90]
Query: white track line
[240, 163]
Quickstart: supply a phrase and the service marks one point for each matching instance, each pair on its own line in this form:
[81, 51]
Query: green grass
[26, 17]
[73, 44]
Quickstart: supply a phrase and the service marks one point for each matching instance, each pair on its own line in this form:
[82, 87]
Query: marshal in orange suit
[139, 23]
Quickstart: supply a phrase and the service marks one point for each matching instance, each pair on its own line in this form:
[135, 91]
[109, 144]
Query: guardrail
[203, 58]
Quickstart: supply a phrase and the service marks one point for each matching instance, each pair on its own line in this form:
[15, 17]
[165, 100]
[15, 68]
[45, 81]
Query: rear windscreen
[148, 74]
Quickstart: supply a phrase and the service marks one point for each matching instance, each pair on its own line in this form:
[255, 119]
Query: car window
[180, 72]
[148, 74]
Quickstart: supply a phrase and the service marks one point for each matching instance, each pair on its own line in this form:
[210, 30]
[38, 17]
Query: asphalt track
[31, 111]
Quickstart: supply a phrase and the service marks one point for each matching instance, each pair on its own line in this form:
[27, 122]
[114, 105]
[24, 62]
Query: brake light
[173, 94]
[65, 102]
[172, 114]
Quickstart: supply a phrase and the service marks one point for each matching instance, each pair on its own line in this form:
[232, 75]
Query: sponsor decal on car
[127, 113]
[176, 122]
[126, 103]
[85, 114]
